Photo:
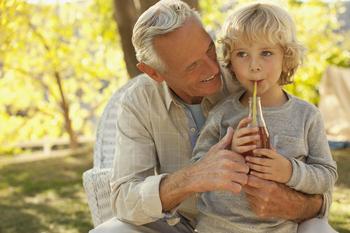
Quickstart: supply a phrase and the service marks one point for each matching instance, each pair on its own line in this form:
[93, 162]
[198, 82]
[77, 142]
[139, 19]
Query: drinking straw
[254, 103]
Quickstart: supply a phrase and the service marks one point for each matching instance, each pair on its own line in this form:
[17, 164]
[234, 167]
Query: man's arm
[140, 196]
[269, 199]
[220, 169]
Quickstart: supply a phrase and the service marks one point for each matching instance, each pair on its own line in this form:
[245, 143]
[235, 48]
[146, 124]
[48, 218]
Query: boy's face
[258, 61]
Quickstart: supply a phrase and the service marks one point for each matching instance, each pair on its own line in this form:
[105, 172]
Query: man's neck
[188, 100]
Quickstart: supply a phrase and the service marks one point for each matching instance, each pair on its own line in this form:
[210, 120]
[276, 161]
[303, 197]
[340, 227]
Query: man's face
[192, 70]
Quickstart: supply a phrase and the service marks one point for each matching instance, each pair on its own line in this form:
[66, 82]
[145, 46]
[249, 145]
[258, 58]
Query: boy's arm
[316, 176]
[318, 173]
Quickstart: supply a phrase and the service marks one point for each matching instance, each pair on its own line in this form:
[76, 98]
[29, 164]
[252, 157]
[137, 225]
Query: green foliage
[324, 46]
[77, 41]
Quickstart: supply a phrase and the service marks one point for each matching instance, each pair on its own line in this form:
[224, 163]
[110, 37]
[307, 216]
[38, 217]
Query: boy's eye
[241, 54]
[266, 53]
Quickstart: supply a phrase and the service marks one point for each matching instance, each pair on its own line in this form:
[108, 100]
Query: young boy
[259, 45]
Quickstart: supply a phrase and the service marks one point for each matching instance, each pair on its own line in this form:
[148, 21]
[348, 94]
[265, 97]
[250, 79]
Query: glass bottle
[258, 121]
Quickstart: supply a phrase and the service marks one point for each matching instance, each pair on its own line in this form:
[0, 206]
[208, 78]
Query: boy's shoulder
[228, 103]
[303, 105]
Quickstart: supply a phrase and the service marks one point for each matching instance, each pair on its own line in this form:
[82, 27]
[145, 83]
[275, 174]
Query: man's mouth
[208, 79]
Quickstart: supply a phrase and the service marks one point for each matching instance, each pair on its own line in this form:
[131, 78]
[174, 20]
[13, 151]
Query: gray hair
[163, 17]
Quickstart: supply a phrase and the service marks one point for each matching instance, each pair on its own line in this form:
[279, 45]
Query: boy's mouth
[257, 81]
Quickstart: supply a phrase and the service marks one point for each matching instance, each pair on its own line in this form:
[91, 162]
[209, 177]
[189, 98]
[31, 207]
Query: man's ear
[154, 74]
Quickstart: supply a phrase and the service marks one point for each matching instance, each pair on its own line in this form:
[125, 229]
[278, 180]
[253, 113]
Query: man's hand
[269, 199]
[219, 169]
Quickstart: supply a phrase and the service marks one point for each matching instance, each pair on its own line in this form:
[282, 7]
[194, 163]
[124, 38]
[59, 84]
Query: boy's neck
[268, 99]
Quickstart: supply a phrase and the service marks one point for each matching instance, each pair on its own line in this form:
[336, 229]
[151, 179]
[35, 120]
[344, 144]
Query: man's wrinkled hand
[269, 199]
[220, 169]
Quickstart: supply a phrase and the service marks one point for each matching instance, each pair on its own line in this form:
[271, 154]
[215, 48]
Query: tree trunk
[73, 142]
[145, 4]
[126, 13]
[193, 4]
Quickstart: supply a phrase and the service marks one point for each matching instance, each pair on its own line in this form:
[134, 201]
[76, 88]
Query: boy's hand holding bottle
[269, 165]
[252, 140]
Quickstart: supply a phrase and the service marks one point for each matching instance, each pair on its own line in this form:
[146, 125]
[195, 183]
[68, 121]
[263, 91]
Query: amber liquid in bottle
[264, 141]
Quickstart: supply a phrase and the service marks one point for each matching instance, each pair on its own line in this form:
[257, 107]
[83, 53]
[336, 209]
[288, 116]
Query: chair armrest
[97, 189]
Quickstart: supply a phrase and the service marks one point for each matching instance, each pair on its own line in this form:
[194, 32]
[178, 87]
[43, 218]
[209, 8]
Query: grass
[340, 211]
[47, 195]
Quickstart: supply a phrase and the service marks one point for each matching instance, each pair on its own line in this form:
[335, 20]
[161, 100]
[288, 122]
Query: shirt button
[193, 130]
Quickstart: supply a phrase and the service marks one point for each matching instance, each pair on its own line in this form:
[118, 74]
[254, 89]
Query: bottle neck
[255, 113]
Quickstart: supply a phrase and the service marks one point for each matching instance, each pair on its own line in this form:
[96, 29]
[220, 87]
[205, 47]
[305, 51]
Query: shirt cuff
[151, 203]
[326, 199]
[295, 177]
[172, 217]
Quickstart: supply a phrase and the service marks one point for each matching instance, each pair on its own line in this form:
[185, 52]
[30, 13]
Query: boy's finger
[251, 139]
[257, 160]
[244, 122]
[247, 131]
[262, 152]
[243, 149]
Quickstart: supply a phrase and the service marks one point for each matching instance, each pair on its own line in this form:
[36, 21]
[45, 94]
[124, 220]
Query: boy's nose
[255, 69]
[254, 66]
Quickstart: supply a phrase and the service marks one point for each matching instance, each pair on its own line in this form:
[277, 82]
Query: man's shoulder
[138, 83]
[139, 88]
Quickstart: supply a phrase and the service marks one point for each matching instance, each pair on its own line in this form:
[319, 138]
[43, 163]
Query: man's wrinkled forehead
[183, 44]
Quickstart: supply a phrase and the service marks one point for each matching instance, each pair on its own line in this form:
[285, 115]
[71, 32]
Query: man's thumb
[226, 140]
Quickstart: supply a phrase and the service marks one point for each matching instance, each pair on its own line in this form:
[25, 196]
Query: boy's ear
[154, 74]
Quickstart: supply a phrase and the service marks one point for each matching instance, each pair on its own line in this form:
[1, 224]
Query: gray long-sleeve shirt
[297, 132]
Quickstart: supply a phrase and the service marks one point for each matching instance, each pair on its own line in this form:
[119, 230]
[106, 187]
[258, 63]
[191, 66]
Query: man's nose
[211, 65]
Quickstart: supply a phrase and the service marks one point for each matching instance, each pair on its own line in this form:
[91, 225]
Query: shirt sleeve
[209, 136]
[318, 174]
[134, 182]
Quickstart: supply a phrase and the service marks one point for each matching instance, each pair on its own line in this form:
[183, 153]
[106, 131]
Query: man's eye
[266, 53]
[241, 54]
[192, 66]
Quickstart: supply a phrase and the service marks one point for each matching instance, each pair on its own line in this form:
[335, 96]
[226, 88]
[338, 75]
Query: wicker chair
[96, 180]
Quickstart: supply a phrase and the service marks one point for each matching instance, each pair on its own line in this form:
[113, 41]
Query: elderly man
[160, 115]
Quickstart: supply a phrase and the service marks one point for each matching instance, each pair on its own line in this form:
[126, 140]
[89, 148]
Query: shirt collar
[207, 103]
[169, 96]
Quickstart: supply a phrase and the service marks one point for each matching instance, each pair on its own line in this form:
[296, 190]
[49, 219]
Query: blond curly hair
[267, 22]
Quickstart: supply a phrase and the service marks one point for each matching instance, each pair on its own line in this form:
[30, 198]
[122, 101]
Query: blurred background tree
[125, 15]
[59, 63]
